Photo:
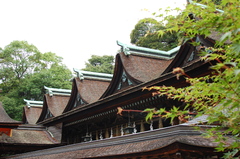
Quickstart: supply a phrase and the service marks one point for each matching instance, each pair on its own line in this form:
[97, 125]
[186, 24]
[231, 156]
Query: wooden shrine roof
[31, 114]
[135, 65]
[55, 101]
[193, 70]
[28, 137]
[143, 68]
[134, 144]
[56, 104]
[5, 119]
[32, 111]
[186, 58]
[91, 89]
[87, 88]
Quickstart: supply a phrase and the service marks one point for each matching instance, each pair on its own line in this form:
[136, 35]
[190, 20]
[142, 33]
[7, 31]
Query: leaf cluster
[216, 95]
[146, 34]
[101, 64]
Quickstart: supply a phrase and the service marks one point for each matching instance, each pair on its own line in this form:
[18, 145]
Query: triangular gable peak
[121, 79]
[135, 65]
[87, 88]
[32, 111]
[55, 101]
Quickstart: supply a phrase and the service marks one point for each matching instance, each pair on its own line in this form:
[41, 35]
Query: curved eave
[194, 69]
[118, 70]
[31, 114]
[185, 52]
[24, 118]
[180, 58]
[163, 141]
[57, 103]
[114, 81]
[142, 68]
[44, 110]
[73, 97]
[6, 120]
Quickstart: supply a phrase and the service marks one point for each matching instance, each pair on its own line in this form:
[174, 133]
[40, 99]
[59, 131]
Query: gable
[87, 88]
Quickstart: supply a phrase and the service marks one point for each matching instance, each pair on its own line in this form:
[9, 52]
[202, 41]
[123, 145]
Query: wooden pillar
[117, 131]
[97, 138]
[160, 123]
[142, 126]
[106, 133]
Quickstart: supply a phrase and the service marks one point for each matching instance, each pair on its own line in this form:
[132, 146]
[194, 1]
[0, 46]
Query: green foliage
[49, 59]
[24, 73]
[32, 86]
[144, 26]
[146, 34]
[216, 95]
[12, 107]
[19, 57]
[154, 41]
[101, 64]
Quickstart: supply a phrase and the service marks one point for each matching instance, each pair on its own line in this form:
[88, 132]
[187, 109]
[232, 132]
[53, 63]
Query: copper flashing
[92, 75]
[142, 51]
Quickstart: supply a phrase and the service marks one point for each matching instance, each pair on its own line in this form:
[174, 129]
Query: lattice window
[124, 82]
[78, 101]
[48, 114]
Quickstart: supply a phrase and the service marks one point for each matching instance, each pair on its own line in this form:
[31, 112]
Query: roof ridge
[57, 91]
[92, 75]
[33, 103]
[128, 49]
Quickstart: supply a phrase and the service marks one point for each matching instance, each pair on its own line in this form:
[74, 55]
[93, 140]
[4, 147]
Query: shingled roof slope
[4, 117]
[87, 88]
[28, 137]
[138, 69]
[143, 68]
[56, 103]
[145, 64]
[90, 89]
[129, 144]
[31, 114]
[129, 148]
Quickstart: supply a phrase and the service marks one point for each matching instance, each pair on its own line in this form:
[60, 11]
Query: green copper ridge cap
[131, 49]
[202, 5]
[92, 75]
[33, 103]
[55, 91]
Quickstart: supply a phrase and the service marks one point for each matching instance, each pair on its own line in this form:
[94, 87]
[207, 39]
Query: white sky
[75, 29]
